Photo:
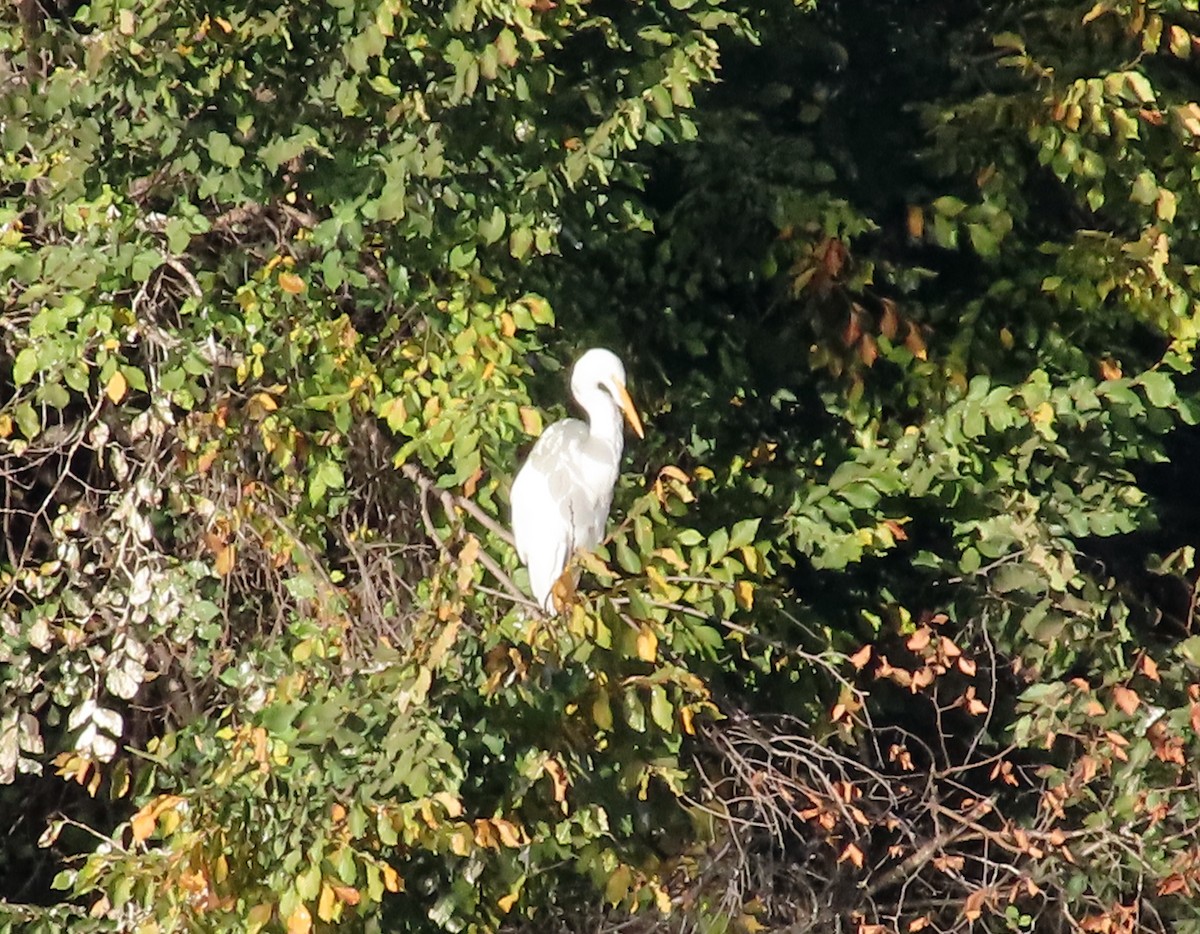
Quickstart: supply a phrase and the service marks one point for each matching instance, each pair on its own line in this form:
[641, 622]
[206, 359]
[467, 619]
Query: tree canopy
[895, 629]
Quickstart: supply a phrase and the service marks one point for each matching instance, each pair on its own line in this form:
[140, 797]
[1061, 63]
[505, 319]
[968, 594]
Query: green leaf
[25, 366]
[1159, 388]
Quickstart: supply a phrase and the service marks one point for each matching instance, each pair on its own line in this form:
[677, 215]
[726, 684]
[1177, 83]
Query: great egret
[561, 496]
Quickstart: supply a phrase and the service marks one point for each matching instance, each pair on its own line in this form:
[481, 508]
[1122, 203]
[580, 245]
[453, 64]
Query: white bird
[562, 494]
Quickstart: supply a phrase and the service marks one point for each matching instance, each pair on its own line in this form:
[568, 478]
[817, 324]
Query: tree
[888, 631]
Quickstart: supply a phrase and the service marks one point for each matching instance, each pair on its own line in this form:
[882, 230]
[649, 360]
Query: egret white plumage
[562, 494]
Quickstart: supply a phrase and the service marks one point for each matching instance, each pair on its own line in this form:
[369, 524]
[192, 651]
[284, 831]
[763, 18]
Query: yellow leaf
[117, 387]
[745, 594]
[508, 901]
[466, 562]
[672, 557]
[558, 775]
[662, 899]
[391, 879]
[257, 918]
[1042, 415]
[531, 420]
[6, 425]
[264, 402]
[687, 718]
[300, 921]
[226, 558]
[460, 843]
[674, 473]
[647, 644]
[291, 283]
[325, 903]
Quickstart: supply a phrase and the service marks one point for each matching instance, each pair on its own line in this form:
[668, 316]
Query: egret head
[602, 369]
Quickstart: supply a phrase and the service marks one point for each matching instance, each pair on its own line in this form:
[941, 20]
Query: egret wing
[549, 505]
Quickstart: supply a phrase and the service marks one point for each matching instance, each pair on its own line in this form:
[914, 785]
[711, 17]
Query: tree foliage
[894, 627]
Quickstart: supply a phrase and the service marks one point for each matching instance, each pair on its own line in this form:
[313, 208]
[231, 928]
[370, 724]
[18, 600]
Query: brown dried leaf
[915, 222]
[868, 350]
[889, 319]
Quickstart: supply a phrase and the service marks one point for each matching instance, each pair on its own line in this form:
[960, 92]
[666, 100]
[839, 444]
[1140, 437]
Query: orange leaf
[973, 907]
[293, 285]
[143, 823]
[1150, 669]
[860, 658]
[852, 853]
[509, 833]
[300, 921]
[915, 222]
[347, 894]
[391, 879]
[919, 639]
[472, 482]
[1126, 699]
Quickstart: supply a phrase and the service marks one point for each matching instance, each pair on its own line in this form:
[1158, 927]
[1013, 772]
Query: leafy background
[895, 626]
